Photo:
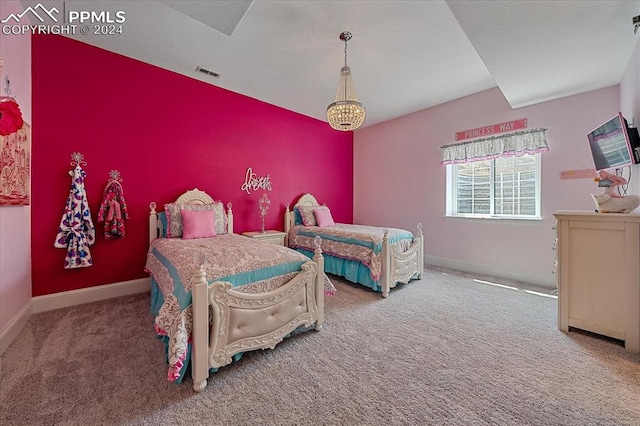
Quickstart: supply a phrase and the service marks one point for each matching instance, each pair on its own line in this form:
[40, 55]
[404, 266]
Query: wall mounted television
[614, 144]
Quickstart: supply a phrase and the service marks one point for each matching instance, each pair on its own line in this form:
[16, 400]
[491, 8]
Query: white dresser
[599, 274]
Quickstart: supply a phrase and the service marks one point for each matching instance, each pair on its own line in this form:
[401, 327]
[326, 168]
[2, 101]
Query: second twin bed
[375, 257]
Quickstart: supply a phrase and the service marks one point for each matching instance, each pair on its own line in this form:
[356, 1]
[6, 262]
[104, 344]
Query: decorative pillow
[323, 216]
[308, 217]
[306, 213]
[174, 217]
[198, 224]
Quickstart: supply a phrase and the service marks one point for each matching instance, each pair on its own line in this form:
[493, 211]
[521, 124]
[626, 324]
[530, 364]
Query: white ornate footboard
[243, 322]
[401, 267]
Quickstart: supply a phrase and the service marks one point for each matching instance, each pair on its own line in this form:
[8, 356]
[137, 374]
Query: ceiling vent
[208, 72]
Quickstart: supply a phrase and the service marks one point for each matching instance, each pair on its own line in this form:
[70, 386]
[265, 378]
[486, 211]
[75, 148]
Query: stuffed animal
[610, 201]
[605, 203]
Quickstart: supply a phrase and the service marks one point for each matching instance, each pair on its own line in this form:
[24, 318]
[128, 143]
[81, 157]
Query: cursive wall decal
[253, 182]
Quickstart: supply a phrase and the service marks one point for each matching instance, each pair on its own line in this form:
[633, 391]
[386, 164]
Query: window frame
[451, 194]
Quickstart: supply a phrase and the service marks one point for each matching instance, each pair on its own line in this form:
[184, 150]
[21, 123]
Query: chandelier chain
[345, 63]
[345, 52]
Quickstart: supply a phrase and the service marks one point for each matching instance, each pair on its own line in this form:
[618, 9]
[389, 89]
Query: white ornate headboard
[194, 196]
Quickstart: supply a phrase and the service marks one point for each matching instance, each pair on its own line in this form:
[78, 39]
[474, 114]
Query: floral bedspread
[354, 242]
[250, 266]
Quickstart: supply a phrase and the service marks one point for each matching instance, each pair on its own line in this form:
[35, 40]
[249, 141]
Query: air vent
[208, 72]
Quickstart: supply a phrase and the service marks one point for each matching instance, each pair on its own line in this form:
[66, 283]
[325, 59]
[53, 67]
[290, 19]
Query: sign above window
[481, 132]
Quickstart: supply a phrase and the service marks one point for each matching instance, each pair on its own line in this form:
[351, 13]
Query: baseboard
[15, 326]
[526, 277]
[65, 299]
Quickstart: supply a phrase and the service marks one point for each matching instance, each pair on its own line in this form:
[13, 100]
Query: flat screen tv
[611, 146]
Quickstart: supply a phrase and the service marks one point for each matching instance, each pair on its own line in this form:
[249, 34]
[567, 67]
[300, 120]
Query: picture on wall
[15, 167]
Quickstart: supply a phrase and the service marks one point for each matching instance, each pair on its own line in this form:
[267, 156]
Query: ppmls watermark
[92, 22]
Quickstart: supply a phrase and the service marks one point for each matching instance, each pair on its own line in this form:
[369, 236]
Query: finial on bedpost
[419, 228]
[198, 258]
[153, 222]
[385, 233]
[229, 218]
[317, 242]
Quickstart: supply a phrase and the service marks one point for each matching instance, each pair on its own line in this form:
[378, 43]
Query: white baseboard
[15, 326]
[525, 277]
[64, 299]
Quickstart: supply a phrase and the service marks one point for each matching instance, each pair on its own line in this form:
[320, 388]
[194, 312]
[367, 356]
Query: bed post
[287, 226]
[319, 260]
[229, 218]
[200, 334]
[153, 222]
[420, 239]
[385, 278]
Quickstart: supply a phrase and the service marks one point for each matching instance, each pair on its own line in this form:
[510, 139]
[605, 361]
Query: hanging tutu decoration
[10, 116]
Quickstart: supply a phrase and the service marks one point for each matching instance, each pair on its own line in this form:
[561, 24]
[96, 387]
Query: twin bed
[219, 294]
[377, 258]
[216, 294]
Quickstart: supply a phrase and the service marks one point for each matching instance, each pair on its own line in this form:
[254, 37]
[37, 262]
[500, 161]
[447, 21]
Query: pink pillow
[323, 217]
[198, 224]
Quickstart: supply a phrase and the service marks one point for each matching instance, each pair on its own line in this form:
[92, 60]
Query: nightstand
[273, 237]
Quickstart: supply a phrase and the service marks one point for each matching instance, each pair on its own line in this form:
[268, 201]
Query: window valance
[504, 145]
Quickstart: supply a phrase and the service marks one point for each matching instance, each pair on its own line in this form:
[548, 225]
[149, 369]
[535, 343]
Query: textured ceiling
[405, 55]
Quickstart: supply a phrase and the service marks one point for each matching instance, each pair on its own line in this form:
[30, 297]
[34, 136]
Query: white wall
[15, 221]
[630, 104]
[398, 180]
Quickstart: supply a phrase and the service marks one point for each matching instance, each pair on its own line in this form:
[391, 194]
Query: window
[496, 176]
[499, 187]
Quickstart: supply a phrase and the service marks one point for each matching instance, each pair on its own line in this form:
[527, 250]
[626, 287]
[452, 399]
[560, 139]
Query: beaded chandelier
[346, 113]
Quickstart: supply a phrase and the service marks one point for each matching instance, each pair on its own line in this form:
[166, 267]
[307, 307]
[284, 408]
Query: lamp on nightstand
[263, 206]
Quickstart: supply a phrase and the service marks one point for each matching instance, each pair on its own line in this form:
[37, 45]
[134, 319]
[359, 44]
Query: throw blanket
[253, 268]
[353, 242]
[76, 232]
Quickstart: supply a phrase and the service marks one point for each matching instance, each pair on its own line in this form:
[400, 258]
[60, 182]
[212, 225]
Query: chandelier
[346, 113]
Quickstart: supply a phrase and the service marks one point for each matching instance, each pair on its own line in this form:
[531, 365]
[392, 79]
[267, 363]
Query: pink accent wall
[165, 133]
[409, 185]
[15, 249]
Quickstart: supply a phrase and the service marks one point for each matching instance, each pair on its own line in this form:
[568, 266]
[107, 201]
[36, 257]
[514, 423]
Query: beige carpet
[446, 350]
